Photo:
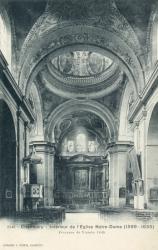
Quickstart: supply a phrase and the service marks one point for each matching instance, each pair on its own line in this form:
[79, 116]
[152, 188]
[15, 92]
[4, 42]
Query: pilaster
[45, 171]
[117, 172]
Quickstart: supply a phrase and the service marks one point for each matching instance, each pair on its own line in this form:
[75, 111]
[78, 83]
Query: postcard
[78, 124]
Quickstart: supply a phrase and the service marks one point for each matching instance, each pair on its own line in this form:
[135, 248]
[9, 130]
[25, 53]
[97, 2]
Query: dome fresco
[80, 72]
[81, 64]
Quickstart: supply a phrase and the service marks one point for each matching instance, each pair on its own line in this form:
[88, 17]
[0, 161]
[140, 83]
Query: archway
[51, 34]
[81, 105]
[81, 165]
[7, 161]
[152, 159]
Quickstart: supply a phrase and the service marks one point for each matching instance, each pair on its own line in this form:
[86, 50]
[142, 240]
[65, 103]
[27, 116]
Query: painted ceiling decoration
[81, 132]
[88, 113]
[81, 87]
[81, 64]
[83, 142]
[78, 72]
[85, 23]
[81, 50]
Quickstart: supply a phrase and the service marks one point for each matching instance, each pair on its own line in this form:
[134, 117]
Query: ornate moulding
[80, 65]
[69, 107]
[90, 86]
[110, 32]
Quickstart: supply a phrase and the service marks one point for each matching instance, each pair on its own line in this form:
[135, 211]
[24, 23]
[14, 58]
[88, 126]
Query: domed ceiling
[80, 73]
[80, 57]
[81, 64]
[121, 18]
[64, 48]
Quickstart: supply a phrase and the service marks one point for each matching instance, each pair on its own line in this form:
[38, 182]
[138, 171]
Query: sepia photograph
[79, 124]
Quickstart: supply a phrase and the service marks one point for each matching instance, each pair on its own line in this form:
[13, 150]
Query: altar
[81, 182]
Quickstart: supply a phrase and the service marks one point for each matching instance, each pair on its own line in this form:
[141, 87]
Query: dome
[80, 72]
[80, 64]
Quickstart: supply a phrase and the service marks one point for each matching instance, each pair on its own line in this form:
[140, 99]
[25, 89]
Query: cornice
[122, 146]
[83, 91]
[44, 147]
[11, 85]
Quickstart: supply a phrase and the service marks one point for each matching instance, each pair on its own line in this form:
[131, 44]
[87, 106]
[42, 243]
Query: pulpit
[32, 195]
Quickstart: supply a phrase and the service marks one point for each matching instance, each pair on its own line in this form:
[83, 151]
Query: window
[91, 146]
[81, 143]
[70, 146]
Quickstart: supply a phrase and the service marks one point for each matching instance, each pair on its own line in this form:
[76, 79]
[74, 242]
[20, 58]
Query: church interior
[78, 106]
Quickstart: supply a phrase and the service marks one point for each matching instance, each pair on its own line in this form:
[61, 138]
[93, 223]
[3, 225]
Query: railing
[81, 197]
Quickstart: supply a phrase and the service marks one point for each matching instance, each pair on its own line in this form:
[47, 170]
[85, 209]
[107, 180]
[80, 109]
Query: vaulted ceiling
[25, 14]
[81, 49]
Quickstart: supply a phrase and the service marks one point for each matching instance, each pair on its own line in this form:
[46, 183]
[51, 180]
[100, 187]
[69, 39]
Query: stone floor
[108, 216]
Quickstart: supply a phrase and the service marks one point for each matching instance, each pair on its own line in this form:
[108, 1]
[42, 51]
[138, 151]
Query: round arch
[12, 110]
[152, 135]
[152, 157]
[52, 37]
[8, 158]
[151, 146]
[81, 105]
[150, 107]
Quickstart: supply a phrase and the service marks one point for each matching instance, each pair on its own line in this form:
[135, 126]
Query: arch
[152, 158]
[7, 161]
[81, 105]
[5, 35]
[152, 136]
[11, 108]
[149, 108]
[56, 36]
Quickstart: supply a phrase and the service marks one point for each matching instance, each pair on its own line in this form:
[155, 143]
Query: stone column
[45, 171]
[117, 172]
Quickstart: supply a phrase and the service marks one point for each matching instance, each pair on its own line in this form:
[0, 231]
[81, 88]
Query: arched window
[81, 142]
[5, 36]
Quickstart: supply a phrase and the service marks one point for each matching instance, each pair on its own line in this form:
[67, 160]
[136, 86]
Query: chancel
[81, 167]
[78, 106]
